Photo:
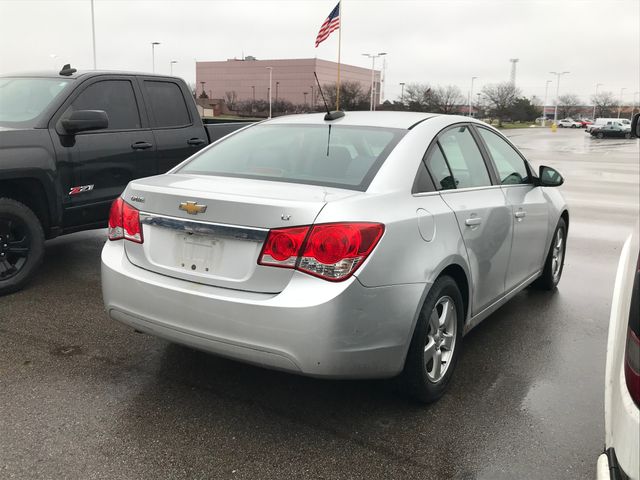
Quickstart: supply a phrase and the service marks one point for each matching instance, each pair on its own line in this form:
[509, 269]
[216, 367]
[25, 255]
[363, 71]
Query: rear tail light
[632, 351]
[331, 251]
[124, 222]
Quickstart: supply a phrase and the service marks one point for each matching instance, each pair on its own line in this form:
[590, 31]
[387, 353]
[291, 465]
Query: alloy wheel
[557, 255]
[14, 247]
[441, 338]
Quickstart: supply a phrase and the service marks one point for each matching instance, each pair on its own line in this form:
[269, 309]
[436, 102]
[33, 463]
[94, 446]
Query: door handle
[141, 145]
[520, 214]
[473, 221]
[195, 141]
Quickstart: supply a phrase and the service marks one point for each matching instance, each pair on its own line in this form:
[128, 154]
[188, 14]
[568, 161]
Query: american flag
[331, 24]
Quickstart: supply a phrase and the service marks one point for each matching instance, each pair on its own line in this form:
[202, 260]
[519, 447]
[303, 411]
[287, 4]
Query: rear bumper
[313, 327]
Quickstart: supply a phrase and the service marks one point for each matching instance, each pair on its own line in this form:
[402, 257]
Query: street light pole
[555, 112]
[153, 56]
[620, 104]
[373, 57]
[544, 105]
[402, 93]
[595, 99]
[202, 83]
[470, 93]
[270, 78]
[171, 65]
[93, 35]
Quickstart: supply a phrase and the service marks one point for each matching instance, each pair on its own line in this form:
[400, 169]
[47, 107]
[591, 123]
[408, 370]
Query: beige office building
[292, 79]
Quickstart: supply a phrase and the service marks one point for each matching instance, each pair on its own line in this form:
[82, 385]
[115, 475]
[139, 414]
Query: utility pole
[470, 94]
[544, 105]
[373, 57]
[620, 103]
[558, 75]
[383, 79]
[595, 99]
[93, 35]
[512, 77]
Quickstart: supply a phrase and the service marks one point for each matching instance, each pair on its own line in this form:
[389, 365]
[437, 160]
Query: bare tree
[568, 105]
[417, 96]
[231, 98]
[605, 103]
[500, 99]
[445, 99]
[352, 96]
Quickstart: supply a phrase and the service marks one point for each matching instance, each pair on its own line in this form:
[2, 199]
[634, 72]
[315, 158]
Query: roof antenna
[67, 70]
[330, 115]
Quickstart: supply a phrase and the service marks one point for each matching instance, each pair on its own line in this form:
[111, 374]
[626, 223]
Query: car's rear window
[330, 155]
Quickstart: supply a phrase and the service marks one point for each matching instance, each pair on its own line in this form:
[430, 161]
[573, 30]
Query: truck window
[167, 104]
[115, 97]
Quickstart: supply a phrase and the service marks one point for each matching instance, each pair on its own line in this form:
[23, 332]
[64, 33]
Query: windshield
[329, 155]
[22, 100]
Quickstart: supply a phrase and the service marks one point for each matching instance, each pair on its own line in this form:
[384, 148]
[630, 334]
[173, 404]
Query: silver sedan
[353, 247]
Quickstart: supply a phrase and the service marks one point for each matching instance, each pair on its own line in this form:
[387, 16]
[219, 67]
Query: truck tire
[21, 245]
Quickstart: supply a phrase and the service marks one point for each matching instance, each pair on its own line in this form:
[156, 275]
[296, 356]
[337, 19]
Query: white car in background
[569, 123]
[620, 459]
[600, 122]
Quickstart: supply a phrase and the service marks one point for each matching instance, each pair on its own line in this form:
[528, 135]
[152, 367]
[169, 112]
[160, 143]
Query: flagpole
[339, 44]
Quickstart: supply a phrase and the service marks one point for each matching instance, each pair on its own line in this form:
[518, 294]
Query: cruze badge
[192, 208]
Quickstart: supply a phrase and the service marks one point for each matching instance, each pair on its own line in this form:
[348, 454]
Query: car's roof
[81, 73]
[403, 120]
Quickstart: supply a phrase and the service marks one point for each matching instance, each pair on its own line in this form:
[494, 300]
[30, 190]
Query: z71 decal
[80, 189]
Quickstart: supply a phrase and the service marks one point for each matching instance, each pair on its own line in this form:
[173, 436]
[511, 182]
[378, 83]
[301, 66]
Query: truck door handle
[141, 145]
[195, 141]
[520, 214]
[473, 221]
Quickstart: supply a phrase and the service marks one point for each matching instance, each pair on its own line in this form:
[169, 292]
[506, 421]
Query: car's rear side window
[167, 104]
[330, 155]
[464, 157]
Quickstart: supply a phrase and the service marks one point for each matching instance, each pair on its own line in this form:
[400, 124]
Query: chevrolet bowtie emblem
[192, 208]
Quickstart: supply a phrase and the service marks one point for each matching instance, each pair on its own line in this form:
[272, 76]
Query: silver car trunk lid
[215, 238]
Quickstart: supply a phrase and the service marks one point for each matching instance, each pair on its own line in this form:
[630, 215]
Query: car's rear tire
[573, 126]
[436, 343]
[21, 245]
[599, 135]
[554, 264]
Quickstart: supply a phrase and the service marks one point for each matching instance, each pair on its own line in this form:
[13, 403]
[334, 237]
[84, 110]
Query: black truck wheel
[21, 245]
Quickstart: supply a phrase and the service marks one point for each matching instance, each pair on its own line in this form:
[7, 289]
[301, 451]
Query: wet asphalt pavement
[84, 397]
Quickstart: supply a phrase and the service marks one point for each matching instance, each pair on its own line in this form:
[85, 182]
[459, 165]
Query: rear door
[528, 207]
[460, 173]
[178, 132]
[96, 166]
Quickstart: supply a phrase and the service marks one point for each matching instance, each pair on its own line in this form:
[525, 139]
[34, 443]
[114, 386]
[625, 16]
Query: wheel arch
[30, 192]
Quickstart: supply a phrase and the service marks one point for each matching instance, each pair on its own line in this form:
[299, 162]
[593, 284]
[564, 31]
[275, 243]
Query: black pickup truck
[69, 144]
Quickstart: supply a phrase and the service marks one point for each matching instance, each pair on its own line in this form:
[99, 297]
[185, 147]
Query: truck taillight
[124, 222]
[632, 350]
[332, 251]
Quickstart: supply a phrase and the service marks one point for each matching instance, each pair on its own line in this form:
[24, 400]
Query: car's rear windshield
[329, 155]
[22, 100]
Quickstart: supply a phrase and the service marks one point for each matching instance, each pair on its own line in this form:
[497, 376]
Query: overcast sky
[437, 42]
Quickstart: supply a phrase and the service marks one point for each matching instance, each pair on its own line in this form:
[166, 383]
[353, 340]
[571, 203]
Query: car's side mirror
[635, 125]
[549, 177]
[84, 120]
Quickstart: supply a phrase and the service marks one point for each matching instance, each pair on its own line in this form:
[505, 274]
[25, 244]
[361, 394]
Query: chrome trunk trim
[252, 234]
